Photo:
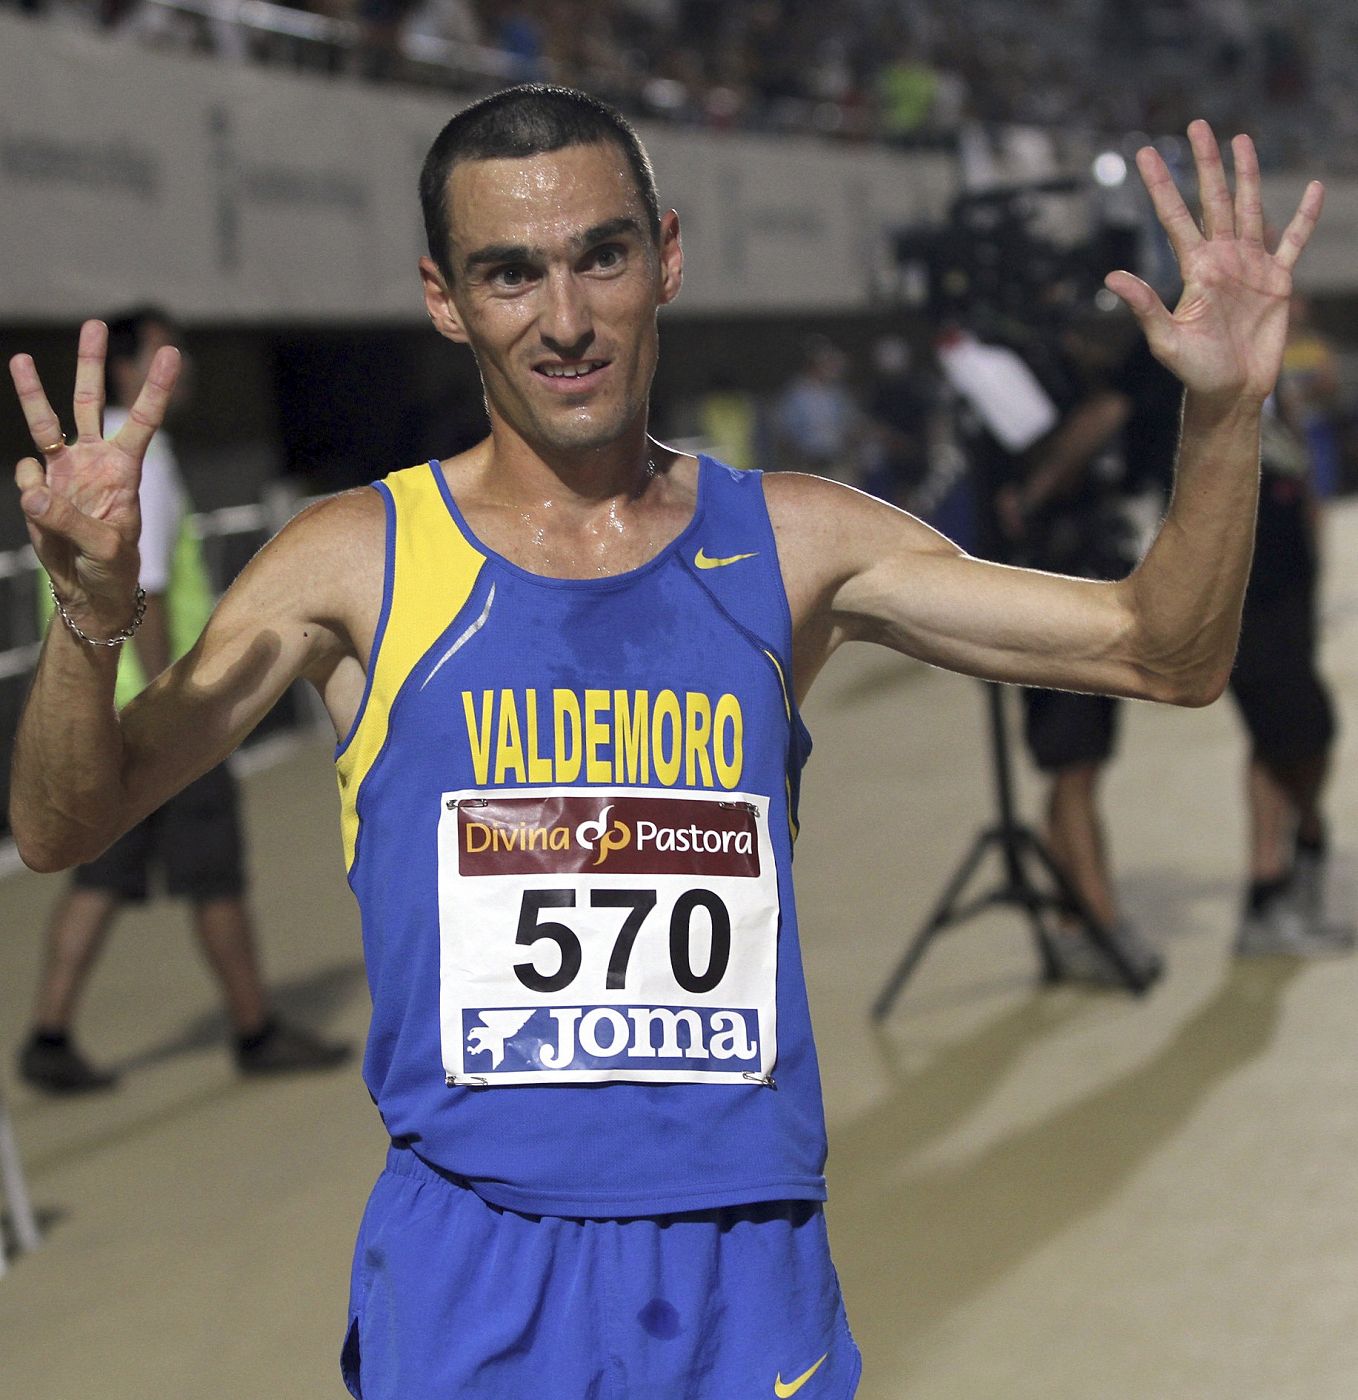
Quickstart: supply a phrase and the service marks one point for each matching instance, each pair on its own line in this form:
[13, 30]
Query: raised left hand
[1225, 338]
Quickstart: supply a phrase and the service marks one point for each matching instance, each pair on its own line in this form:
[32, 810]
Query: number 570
[533, 928]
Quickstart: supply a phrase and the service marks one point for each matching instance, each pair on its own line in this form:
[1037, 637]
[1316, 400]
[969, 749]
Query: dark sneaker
[61, 1069]
[1307, 889]
[1143, 955]
[1080, 959]
[285, 1049]
[1281, 929]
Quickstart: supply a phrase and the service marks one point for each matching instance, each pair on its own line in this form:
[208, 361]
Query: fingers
[1144, 304]
[29, 475]
[1249, 203]
[1170, 209]
[43, 425]
[56, 528]
[1298, 232]
[53, 515]
[1140, 298]
[1218, 214]
[34, 500]
[89, 382]
[1223, 217]
[148, 412]
[31, 480]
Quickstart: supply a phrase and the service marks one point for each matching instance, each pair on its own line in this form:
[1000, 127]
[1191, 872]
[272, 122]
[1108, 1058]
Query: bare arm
[856, 569]
[904, 585]
[83, 773]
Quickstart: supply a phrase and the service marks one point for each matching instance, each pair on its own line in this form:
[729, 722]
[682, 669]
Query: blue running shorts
[453, 1298]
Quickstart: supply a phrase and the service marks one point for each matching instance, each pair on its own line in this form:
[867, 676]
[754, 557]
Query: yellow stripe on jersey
[787, 705]
[434, 572]
[782, 681]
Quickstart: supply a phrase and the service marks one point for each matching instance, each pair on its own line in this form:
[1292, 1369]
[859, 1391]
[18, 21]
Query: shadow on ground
[923, 1240]
[313, 1001]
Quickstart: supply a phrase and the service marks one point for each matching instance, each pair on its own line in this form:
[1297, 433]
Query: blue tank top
[568, 809]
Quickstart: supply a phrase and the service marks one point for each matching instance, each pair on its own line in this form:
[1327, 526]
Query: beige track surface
[1036, 1193]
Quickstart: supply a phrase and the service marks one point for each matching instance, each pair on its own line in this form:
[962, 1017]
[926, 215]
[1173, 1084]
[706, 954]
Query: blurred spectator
[452, 21]
[1309, 395]
[907, 88]
[726, 420]
[900, 403]
[1287, 710]
[381, 25]
[516, 29]
[590, 46]
[818, 426]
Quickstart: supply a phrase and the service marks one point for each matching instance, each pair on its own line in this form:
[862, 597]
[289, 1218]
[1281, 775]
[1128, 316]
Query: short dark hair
[126, 329]
[528, 120]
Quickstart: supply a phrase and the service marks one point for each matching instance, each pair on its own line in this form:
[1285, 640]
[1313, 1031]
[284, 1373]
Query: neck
[518, 470]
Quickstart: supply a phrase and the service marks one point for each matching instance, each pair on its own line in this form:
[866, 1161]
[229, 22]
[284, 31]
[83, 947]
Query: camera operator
[1092, 490]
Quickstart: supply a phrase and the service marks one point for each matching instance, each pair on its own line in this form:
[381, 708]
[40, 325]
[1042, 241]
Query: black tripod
[1022, 852]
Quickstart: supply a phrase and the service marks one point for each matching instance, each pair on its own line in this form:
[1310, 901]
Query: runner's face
[556, 283]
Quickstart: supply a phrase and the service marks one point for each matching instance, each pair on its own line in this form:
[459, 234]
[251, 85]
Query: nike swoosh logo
[704, 561]
[782, 1389]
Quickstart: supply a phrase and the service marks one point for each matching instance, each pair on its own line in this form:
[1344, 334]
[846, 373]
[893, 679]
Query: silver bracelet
[118, 638]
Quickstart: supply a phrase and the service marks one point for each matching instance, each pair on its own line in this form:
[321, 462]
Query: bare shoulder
[829, 533]
[348, 517]
[342, 531]
[324, 568]
[809, 510]
[847, 560]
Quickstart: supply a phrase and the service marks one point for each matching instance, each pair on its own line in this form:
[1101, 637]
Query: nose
[565, 323]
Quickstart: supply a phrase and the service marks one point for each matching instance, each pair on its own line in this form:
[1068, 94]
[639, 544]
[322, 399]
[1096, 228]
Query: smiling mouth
[583, 370]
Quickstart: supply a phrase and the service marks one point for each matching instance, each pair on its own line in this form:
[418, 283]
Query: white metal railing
[18, 580]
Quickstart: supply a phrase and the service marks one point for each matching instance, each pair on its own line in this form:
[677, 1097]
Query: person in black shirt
[1287, 711]
[1094, 490]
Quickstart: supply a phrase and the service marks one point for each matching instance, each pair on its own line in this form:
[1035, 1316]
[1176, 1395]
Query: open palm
[1225, 337]
[81, 502]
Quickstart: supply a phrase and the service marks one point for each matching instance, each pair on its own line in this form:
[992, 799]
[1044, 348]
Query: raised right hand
[80, 503]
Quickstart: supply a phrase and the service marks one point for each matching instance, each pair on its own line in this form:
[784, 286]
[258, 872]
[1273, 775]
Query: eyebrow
[494, 253]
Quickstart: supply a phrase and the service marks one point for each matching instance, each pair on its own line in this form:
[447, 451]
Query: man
[1288, 713]
[565, 667]
[195, 838]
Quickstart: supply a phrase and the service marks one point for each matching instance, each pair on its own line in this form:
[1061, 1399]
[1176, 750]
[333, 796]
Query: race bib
[613, 934]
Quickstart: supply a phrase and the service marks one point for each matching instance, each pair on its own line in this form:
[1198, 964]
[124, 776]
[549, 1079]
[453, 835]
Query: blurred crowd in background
[902, 71]
[892, 426]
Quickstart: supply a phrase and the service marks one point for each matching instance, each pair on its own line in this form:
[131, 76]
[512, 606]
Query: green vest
[188, 605]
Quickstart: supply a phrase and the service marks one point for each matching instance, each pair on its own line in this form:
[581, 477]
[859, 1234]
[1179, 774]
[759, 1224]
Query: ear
[438, 301]
[671, 258]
